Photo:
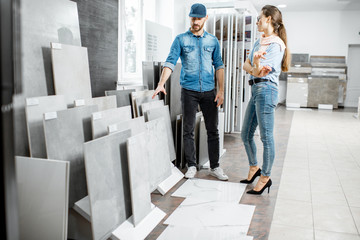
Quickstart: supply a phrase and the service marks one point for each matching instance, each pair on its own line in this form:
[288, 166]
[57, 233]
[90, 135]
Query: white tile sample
[123, 97]
[101, 120]
[136, 125]
[103, 103]
[142, 96]
[159, 164]
[150, 105]
[139, 177]
[43, 187]
[167, 184]
[193, 212]
[65, 135]
[83, 208]
[108, 182]
[159, 112]
[211, 190]
[34, 109]
[71, 71]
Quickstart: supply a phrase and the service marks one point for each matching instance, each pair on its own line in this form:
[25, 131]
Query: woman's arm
[257, 70]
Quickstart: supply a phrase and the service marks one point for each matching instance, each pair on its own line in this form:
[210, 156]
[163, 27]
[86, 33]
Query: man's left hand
[219, 98]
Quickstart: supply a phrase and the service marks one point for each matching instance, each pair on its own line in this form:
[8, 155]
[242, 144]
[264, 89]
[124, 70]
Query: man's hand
[219, 98]
[160, 88]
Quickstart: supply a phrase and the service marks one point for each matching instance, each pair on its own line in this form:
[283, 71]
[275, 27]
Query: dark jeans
[190, 100]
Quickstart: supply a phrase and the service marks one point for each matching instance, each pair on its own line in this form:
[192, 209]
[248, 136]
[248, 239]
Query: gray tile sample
[65, 134]
[103, 103]
[159, 164]
[147, 94]
[108, 183]
[175, 95]
[34, 109]
[123, 97]
[221, 132]
[83, 208]
[178, 138]
[71, 71]
[43, 187]
[148, 74]
[136, 125]
[299, 58]
[101, 120]
[164, 112]
[323, 90]
[150, 105]
[143, 99]
[203, 145]
[139, 176]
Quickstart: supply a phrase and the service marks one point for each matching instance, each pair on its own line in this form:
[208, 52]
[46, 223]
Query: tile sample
[147, 94]
[143, 99]
[65, 134]
[101, 120]
[193, 212]
[34, 109]
[103, 103]
[210, 190]
[221, 133]
[323, 90]
[123, 97]
[203, 144]
[150, 105]
[175, 94]
[148, 74]
[159, 164]
[83, 208]
[71, 71]
[136, 125]
[108, 182]
[178, 138]
[43, 187]
[164, 112]
[139, 177]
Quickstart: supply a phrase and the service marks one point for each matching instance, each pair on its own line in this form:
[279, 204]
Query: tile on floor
[324, 235]
[281, 232]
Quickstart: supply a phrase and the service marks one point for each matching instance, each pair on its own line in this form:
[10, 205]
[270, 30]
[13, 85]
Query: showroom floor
[318, 163]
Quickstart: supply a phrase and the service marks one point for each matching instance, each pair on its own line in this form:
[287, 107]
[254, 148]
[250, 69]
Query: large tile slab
[203, 145]
[139, 177]
[103, 103]
[175, 94]
[159, 164]
[71, 71]
[136, 125]
[108, 183]
[35, 108]
[150, 105]
[101, 120]
[123, 97]
[43, 187]
[163, 112]
[210, 190]
[142, 96]
[193, 212]
[143, 99]
[65, 134]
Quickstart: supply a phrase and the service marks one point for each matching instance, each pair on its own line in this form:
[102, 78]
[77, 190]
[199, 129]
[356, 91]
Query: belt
[257, 80]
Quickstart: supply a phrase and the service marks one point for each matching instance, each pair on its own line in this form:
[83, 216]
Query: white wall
[322, 33]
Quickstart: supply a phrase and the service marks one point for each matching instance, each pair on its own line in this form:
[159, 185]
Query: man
[199, 52]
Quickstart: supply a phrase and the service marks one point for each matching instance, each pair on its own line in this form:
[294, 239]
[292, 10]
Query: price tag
[79, 102]
[32, 101]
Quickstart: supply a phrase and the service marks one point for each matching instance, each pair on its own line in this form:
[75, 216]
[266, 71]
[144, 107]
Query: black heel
[267, 185]
[257, 174]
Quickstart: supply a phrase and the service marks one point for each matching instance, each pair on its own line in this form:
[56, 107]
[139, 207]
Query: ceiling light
[281, 6]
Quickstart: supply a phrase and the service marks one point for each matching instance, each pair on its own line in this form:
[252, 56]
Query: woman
[267, 59]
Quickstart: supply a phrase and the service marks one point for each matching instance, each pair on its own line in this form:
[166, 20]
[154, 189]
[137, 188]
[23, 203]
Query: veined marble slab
[65, 134]
[43, 187]
[139, 177]
[163, 112]
[34, 109]
[210, 190]
[108, 183]
[71, 71]
[150, 105]
[193, 212]
[136, 125]
[123, 97]
[159, 164]
[101, 120]
[103, 103]
[147, 94]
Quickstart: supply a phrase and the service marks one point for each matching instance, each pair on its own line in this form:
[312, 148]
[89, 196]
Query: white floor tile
[323, 235]
[283, 232]
[355, 211]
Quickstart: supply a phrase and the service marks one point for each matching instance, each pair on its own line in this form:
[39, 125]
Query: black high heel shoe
[257, 174]
[267, 185]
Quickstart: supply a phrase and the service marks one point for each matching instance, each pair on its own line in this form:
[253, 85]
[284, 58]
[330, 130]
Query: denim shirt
[273, 59]
[199, 56]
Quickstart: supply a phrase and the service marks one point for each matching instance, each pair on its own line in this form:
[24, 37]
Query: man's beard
[199, 29]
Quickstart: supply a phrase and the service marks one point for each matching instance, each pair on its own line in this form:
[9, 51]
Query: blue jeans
[260, 111]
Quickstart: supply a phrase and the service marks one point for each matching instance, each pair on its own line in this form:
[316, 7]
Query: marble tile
[209, 190]
[101, 120]
[150, 105]
[123, 97]
[136, 125]
[34, 109]
[159, 164]
[164, 112]
[83, 208]
[65, 134]
[193, 212]
[170, 182]
[323, 90]
[139, 177]
[142, 97]
[355, 211]
[71, 71]
[108, 182]
[103, 103]
[323, 235]
[43, 187]
[208, 233]
[278, 232]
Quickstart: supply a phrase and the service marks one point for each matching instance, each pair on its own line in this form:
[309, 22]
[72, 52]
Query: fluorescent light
[281, 6]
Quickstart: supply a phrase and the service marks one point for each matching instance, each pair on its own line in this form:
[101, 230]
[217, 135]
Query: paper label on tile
[112, 128]
[50, 115]
[32, 101]
[79, 102]
[56, 45]
[97, 116]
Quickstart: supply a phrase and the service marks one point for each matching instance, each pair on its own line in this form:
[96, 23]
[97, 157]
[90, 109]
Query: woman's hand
[257, 56]
[264, 71]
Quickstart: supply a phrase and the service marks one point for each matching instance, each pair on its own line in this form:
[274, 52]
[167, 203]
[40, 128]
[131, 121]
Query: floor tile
[323, 235]
[282, 232]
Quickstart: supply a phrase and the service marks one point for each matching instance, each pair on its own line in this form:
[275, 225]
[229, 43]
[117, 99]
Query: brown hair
[279, 28]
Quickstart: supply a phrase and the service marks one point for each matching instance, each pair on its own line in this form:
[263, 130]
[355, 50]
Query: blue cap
[197, 10]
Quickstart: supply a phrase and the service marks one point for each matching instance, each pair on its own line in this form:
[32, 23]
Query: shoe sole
[214, 175]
